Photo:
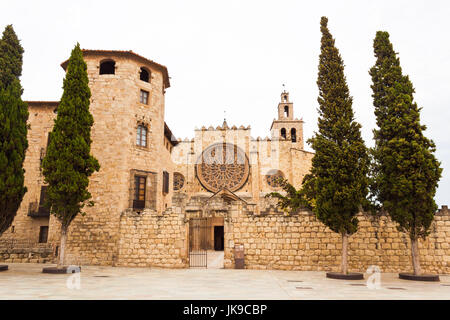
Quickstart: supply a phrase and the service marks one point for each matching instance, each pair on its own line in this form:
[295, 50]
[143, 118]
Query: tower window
[108, 67]
[293, 135]
[144, 97]
[141, 136]
[144, 75]
[286, 111]
[283, 133]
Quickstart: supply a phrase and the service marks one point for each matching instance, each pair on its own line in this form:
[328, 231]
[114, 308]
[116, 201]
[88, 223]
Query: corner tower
[286, 127]
[132, 144]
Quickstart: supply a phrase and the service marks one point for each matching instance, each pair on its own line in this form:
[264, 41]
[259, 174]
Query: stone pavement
[25, 281]
[215, 259]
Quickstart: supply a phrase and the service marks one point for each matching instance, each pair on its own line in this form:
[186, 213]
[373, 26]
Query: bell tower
[285, 107]
[286, 127]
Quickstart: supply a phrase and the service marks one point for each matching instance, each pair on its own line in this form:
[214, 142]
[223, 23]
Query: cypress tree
[68, 162]
[406, 173]
[13, 128]
[11, 57]
[339, 170]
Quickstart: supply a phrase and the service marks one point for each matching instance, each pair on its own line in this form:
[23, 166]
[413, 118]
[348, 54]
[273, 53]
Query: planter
[348, 276]
[3, 267]
[62, 270]
[422, 277]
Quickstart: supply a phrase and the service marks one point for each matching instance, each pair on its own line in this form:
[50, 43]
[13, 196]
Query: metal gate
[198, 242]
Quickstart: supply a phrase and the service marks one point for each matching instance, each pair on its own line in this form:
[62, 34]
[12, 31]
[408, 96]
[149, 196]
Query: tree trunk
[344, 253]
[62, 246]
[415, 256]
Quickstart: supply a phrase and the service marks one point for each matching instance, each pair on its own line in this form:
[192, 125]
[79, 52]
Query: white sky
[235, 55]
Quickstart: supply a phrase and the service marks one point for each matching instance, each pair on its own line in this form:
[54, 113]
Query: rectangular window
[144, 97]
[43, 197]
[139, 195]
[141, 136]
[165, 182]
[43, 211]
[43, 234]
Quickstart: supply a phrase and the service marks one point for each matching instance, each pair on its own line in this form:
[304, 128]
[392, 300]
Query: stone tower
[130, 140]
[286, 127]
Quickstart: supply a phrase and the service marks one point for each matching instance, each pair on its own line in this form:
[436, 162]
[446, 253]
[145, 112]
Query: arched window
[293, 135]
[108, 67]
[144, 75]
[141, 136]
[286, 111]
[283, 133]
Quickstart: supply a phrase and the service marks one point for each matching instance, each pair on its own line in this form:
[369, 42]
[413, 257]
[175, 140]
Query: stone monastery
[167, 202]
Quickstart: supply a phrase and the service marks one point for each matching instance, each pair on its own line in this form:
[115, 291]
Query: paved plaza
[25, 281]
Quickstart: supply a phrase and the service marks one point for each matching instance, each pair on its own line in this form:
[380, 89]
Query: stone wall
[149, 239]
[273, 240]
[19, 251]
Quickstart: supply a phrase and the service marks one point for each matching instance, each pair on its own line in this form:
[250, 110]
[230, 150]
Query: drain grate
[303, 288]
[395, 288]
[294, 280]
[101, 276]
[445, 285]
[358, 284]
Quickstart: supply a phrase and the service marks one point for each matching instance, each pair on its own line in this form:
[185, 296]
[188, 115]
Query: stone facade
[151, 185]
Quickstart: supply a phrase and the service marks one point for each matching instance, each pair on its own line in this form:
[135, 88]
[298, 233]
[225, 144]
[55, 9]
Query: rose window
[222, 165]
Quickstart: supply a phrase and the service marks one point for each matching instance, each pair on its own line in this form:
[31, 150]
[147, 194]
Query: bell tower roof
[285, 96]
[285, 107]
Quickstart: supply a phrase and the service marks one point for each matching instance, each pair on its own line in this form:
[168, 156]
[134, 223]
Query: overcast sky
[234, 56]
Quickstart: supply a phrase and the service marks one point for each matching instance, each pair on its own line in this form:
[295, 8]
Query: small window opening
[144, 75]
[286, 111]
[108, 67]
[283, 133]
